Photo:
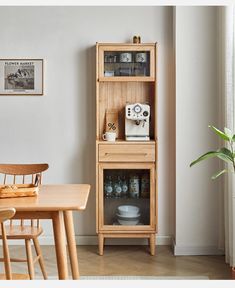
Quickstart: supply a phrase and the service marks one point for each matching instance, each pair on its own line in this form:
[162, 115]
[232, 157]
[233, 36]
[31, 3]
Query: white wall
[59, 128]
[196, 107]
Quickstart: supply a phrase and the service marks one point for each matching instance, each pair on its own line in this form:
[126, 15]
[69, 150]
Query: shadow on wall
[82, 167]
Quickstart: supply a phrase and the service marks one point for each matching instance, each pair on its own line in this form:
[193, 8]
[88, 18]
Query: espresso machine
[137, 118]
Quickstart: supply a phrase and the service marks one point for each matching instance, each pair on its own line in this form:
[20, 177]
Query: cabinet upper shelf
[126, 62]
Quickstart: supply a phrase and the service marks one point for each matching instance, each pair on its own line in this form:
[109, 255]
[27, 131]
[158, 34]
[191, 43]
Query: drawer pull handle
[125, 154]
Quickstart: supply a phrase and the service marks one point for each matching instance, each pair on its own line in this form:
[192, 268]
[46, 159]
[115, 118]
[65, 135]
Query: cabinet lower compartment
[126, 196]
[130, 186]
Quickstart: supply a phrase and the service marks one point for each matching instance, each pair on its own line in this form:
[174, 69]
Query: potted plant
[225, 154]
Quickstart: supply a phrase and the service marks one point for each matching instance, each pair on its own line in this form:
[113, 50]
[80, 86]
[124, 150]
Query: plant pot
[233, 273]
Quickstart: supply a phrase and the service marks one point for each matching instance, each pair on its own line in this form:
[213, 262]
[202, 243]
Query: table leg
[69, 229]
[60, 245]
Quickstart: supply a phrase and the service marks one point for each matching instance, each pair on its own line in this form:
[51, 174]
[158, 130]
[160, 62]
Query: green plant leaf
[233, 139]
[224, 157]
[220, 133]
[211, 154]
[228, 133]
[217, 174]
[227, 152]
[205, 156]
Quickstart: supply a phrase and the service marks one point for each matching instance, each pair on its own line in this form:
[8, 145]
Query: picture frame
[21, 77]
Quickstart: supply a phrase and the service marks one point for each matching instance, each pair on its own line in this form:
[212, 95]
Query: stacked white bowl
[128, 215]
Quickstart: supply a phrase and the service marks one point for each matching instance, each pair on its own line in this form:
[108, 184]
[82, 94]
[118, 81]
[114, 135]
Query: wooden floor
[131, 260]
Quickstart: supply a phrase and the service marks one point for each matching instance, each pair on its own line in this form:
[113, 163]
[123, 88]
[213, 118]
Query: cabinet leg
[101, 244]
[152, 244]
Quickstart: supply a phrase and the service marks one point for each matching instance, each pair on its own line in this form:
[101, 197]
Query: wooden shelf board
[119, 142]
[127, 79]
[128, 228]
[126, 44]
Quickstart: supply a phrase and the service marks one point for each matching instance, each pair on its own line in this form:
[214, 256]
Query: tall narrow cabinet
[126, 74]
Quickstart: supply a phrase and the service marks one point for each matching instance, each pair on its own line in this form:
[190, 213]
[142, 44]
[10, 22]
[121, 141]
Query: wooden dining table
[55, 202]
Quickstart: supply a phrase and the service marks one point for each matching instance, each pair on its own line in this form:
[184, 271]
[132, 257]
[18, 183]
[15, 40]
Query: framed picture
[21, 76]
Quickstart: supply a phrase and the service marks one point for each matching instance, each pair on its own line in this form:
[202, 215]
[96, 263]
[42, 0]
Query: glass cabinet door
[130, 63]
[126, 197]
[125, 64]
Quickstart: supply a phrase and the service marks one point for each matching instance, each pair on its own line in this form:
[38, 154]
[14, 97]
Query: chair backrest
[18, 173]
[22, 170]
[5, 214]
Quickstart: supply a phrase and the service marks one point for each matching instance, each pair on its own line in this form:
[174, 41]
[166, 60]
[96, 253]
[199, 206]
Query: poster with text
[21, 77]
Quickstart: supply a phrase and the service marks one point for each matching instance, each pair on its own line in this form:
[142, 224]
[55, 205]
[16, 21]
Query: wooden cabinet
[126, 74]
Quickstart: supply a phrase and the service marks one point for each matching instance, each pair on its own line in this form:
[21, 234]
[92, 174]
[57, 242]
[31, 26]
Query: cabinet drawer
[127, 153]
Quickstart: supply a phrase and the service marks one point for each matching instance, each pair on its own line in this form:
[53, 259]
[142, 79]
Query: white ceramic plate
[128, 222]
[132, 216]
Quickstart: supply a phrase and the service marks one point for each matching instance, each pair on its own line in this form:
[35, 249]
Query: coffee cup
[109, 136]
[141, 57]
[125, 57]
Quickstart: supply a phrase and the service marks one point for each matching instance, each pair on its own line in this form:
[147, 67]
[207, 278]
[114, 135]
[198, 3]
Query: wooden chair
[22, 174]
[6, 214]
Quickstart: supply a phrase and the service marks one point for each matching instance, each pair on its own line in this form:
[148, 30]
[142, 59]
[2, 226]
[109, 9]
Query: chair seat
[15, 276]
[22, 232]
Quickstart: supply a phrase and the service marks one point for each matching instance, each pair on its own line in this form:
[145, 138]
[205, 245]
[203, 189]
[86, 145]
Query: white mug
[141, 57]
[125, 57]
[109, 136]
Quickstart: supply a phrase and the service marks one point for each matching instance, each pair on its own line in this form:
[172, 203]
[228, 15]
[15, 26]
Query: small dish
[108, 73]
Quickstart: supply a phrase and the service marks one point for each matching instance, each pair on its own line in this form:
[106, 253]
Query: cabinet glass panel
[126, 197]
[130, 63]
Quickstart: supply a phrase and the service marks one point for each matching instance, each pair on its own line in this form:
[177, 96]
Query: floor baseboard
[196, 250]
[93, 240]
[160, 240]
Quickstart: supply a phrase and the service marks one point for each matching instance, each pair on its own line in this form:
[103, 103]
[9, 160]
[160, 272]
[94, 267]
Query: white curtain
[227, 52]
